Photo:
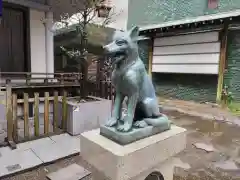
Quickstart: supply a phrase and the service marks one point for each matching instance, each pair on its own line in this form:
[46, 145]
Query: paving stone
[205, 147]
[17, 161]
[58, 150]
[67, 138]
[5, 151]
[71, 172]
[226, 165]
[179, 163]
[62, 137]
[39, 143]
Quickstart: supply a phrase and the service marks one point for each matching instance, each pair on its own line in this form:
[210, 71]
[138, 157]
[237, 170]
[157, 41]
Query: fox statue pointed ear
[134, 32]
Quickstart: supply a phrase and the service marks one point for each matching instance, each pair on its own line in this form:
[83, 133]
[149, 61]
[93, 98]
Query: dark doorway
[13, 39]
[155, 176]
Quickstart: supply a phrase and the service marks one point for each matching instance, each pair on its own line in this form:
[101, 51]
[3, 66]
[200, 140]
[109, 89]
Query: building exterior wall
[232, 75]
[41, 42]
[182, 86]
[37, 42]
[142, 12]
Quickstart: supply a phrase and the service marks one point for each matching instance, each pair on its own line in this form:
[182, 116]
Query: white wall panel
[190, 68]
[193, 54]
[37, 40]
[187, 39]
[187, 58]
[188, 48]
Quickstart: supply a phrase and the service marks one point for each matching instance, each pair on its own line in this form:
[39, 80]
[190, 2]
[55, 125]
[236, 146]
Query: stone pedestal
[134, 161]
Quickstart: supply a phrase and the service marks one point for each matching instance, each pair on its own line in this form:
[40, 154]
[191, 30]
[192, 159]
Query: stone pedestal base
[134, 161]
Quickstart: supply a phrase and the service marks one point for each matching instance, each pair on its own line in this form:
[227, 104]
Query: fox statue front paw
[124, 127]
[111, 122]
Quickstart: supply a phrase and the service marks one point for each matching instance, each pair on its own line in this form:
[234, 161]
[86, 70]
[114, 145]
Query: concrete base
[86, 116]
[135, 134]
[134, 161]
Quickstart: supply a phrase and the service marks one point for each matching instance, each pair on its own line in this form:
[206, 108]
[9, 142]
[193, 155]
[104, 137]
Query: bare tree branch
[87, 14]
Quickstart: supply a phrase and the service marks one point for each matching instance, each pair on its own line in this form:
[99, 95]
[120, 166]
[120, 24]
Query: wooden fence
[32, 130]
[13, 120]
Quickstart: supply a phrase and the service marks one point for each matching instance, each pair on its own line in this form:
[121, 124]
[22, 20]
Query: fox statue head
[124, 46]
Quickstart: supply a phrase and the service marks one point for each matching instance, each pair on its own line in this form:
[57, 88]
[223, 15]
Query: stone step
[71, 172]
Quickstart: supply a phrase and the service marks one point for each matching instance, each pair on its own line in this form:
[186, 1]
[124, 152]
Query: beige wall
[37, 41]
[41, 42]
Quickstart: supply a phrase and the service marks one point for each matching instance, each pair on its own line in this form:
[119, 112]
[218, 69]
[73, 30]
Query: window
[212, 4]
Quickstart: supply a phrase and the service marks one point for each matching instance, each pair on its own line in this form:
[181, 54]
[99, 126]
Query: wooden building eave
[199, 19]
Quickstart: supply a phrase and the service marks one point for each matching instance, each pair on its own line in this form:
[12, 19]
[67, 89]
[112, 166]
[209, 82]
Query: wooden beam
[41, 99]
[150, 57]
[222, 63]
[30, 4]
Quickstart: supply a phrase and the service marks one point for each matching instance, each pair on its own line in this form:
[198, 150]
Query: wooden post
[36, 114]
[106, 90]
[26, 115]
[55, 111]
[222, 63]
[46, 112]
[28, 79]
[10, 118]
[15, 121]
[150, 56]
[64, 110]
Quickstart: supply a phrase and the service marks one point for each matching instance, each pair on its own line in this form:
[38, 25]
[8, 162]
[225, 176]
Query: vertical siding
[200, 88]
[143, 48]
[232, 76]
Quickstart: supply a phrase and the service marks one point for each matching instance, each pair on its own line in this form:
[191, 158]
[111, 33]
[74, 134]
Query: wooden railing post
[64, 110]
[10, 117]
[36, 114]
[106, 90]
[28, 79]
[26, 115]
[61, 79]
[15, 121]
[55, 111]
[46, 112]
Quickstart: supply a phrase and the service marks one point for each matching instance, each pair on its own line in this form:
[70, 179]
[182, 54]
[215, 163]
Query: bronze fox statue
[131, 80]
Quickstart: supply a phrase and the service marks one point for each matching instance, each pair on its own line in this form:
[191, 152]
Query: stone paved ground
[204, 110]
[213, 152]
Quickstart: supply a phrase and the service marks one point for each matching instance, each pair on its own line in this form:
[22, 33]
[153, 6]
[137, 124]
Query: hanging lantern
[103, 9]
